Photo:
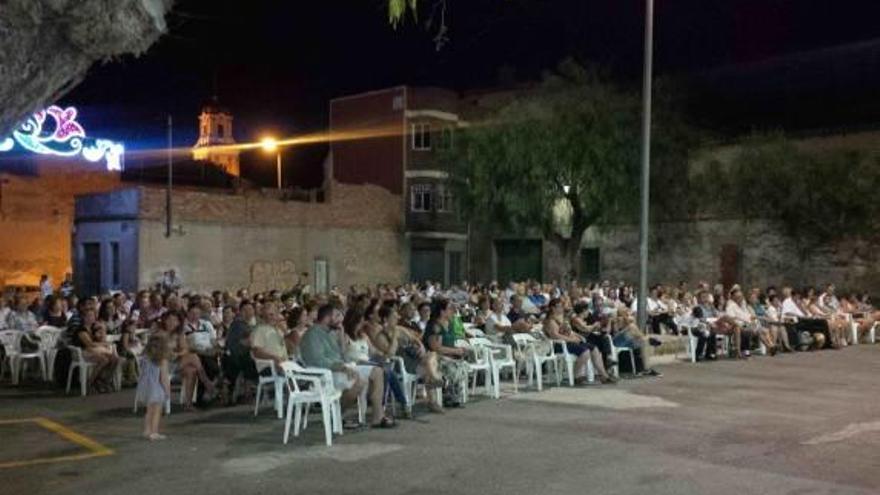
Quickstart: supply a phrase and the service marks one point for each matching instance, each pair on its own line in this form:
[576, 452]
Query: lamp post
[646, 163]
[269, 145]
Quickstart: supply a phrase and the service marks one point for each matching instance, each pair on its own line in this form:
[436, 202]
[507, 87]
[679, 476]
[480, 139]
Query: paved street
[803, 424]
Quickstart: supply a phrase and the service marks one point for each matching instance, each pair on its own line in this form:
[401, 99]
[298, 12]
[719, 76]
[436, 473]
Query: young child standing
[154, 384]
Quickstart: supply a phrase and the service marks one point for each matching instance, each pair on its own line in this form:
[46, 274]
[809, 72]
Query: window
[220, 130]
[421, 137]
[444, 199]
[454, 267]
[420, 197]
[445, 138]
[397, 103]
[114, 264]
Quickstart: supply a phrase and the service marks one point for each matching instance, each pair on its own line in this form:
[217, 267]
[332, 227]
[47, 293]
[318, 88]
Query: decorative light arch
[66, 138]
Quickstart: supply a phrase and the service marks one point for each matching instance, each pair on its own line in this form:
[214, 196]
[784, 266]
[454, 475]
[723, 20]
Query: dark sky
[278, 62]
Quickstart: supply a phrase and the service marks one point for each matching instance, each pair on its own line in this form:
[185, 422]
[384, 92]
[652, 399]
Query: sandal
[385, 423]
[350, 424]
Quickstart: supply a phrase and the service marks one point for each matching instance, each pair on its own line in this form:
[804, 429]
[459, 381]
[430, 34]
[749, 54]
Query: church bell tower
[215, 132]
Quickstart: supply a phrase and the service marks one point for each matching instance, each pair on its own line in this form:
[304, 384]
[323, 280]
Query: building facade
[400, 135]
[227, 241]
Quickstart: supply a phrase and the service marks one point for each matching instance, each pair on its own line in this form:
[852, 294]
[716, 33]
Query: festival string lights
[64, 136]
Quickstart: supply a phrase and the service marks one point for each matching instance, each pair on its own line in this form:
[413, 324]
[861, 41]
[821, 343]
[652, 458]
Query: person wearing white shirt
[658, 312]
[202, 339]
[736, 309]
[790, 309]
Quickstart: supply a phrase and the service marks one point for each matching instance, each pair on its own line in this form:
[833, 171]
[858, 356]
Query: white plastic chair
[274, 379]
[691, 342]
[569, 361]
[480, 363]
[536, 358]
[9, 339]
[78, 362]
[410, 383]
[49, 337]
[616, 352]
[19, 357]
[321, 392]
[500, 357]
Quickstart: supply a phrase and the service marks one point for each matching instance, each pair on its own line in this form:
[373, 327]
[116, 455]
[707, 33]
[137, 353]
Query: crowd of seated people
[361, 333]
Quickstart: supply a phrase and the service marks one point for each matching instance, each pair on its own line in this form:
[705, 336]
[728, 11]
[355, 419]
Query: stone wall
[36, 218]
[226, 241]
[692, 251]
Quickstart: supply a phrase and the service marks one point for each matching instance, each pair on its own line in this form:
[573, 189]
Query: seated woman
[55, 316]
[96, 350]
[393, 340]
[836, 327]
[184, 361]
[864, 321]
[438, 337]
[591, 325]
[770, 314]
[625, 333]
[555, 328]
[107, 314]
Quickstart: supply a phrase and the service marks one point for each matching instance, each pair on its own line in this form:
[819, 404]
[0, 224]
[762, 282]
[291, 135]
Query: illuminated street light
[269, 145]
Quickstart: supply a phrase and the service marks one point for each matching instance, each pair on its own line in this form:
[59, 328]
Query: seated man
[713, 323]
[202, 339]
[800, 323]
[497, 323]
[749, 324]
[320, 349]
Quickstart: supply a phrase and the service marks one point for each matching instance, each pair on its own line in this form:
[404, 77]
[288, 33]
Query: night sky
[278, 62]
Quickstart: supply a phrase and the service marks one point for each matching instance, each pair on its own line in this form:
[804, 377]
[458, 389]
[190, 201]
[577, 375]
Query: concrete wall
[692, 251]
[211, 255]
[226, 241]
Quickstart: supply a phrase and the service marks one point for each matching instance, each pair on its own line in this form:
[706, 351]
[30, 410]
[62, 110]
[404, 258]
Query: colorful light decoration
[67, 138]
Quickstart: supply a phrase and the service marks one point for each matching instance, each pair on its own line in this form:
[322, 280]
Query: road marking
[848, 432]
[94, 448]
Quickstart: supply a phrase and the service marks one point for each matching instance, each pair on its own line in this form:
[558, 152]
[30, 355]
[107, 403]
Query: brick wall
[226, 241]
[36, 218]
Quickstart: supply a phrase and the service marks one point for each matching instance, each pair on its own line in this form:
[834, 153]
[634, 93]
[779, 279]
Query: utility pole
[646, 164]
[170, 178]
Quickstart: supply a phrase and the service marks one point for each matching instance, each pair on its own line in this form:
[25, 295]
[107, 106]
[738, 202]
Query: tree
[556, 159]
[819, 196]
[47, 46]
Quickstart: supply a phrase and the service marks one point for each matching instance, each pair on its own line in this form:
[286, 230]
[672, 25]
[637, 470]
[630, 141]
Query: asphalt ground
[807, 423]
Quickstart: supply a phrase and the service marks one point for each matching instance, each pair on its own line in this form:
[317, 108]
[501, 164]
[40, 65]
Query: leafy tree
[820, 196]
[556, 159]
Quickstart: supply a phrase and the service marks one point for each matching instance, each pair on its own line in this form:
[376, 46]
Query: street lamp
[269, 145]
[642, 316]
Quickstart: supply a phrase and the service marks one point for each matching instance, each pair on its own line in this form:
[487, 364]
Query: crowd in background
[216, 340]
